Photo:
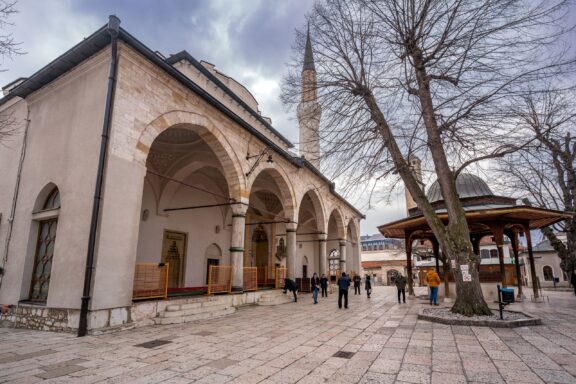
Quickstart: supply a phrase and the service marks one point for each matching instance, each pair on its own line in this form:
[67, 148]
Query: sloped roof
[467, 185]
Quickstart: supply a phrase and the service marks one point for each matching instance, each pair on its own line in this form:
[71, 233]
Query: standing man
[315, 285]
[343, 284]
[400, 282]
[368, 286]
[433, 281]
[357, 280]
[324, 285]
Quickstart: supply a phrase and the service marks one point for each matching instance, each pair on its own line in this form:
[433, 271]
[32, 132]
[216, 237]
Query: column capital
[291, 226]
[342, 242]
[239, 209]
[322, 236]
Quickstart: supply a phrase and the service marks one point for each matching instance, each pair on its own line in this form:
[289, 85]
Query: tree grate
[344, 355]
[153, 343]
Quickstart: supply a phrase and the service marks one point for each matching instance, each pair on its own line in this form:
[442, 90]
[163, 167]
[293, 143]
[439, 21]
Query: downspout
[15, 196]
[113, 30]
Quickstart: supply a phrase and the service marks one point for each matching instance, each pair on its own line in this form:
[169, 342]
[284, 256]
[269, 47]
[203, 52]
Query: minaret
[416, 167]
[309, 111]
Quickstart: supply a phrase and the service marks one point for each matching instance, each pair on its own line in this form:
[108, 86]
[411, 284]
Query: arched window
[334, 261]
[45, 247]
[548, 273]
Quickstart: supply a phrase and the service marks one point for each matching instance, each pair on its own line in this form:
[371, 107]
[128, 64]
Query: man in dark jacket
[315, 285]
[324, 285]
[343, 284]
[290, 285]
[357, 280]
[400, 282]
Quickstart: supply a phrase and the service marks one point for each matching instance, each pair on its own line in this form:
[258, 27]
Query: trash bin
[507, 295]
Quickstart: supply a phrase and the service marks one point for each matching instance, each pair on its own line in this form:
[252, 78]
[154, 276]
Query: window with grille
[548, 273]
[44, 250]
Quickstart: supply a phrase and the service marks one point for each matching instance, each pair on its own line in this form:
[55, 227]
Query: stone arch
[285, 187]
[207, 130]
[339, 219]
[353, 229]
[318, 205]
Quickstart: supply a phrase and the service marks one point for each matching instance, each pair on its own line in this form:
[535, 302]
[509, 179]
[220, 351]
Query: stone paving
[296, 342]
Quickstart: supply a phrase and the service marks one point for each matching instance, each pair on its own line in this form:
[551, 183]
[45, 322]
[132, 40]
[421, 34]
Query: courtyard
[297, 342]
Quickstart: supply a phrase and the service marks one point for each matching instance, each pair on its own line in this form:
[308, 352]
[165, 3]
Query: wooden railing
[150, 281]
[219, 279]
[280, 276]
[266, 275]
[250, 282]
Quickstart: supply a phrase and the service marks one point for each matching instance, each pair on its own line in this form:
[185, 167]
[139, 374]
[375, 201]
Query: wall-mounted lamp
[258, 158]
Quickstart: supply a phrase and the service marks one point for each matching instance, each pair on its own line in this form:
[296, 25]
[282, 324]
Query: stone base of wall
[62, 319]
[106, 320]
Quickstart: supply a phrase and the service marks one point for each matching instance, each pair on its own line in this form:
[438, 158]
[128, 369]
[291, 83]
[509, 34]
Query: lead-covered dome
[467, 185]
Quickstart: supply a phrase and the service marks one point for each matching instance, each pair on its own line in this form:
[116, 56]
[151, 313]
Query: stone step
[275, 298]
[193, 311]
[196, 304]
[194, 317]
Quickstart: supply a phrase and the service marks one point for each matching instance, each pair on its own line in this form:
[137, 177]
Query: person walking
[573, 280]
[433, 281]
[324, 285]
[343, 284]
[290, 285]
[368, 286]
[357, 280]
[315, 285]
[400, 282]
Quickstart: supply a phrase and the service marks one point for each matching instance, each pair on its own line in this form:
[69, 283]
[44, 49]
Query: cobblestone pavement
[296, 342]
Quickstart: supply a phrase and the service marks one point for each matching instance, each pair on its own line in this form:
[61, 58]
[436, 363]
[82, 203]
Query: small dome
[467, 185]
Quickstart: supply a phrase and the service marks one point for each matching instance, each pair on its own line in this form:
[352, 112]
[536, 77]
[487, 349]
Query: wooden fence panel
[280, 276]
[219, 279]
[251, 278]
[150, 281]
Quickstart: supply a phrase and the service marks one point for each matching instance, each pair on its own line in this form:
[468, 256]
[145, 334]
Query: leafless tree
[544, 172]
[8, 48]
[432, 78]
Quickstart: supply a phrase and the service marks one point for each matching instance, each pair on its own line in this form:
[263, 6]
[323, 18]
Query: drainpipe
[113, 30]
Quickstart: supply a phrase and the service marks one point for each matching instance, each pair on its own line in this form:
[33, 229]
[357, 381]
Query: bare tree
[431, 78]
[8, 48]
[544, 172]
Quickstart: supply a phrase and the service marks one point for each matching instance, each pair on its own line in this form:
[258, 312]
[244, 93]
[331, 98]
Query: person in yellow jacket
[433, 281]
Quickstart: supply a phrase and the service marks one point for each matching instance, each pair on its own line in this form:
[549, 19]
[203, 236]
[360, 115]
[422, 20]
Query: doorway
[174, 253]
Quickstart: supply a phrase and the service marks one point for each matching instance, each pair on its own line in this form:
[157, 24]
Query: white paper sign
[464, 268]
[467, 277]
[453, 263]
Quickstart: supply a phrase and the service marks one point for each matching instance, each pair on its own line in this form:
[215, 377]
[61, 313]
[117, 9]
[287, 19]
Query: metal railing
[150, 281]
[219, 279]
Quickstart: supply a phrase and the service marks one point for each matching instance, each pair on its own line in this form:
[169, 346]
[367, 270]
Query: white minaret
[309, 111]
[416, 167]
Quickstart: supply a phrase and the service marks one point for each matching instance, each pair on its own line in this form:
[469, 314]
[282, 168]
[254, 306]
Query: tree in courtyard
[8, 48]
[544, 172]
[431, 78]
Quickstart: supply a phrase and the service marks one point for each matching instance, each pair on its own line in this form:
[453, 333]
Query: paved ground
[296, 343]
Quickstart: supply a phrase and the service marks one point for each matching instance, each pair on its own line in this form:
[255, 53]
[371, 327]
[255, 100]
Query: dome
[467, 185]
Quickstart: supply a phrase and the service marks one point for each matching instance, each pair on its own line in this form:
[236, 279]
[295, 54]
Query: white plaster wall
[199, 224]
[63, 143]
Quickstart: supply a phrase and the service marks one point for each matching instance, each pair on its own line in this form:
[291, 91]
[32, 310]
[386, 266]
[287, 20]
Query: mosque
[132, 175]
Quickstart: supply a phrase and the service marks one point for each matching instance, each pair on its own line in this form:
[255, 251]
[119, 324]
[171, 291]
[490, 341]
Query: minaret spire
[309, 111]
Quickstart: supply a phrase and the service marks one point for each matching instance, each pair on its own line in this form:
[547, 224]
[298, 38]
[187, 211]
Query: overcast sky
[249, 40]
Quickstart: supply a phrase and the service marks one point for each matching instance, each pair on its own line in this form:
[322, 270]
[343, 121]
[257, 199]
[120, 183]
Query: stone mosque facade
[122, 156]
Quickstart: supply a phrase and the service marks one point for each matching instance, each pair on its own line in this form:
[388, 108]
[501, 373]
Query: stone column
[237, 246]
[343, 256]
[291, 250]
[322, 250]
